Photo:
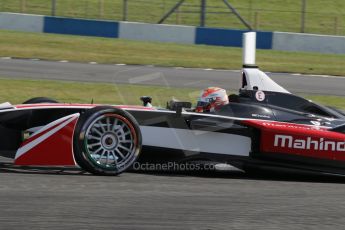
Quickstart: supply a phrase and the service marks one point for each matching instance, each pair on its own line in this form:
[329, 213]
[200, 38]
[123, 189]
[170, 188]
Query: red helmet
[211, 99]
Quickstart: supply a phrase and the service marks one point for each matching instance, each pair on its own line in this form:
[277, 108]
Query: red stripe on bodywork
[56, 150]
[34, 137]
[68, 105]
[302, 140]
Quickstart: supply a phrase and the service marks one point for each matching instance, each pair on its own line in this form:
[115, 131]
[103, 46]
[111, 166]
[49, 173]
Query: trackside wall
[308, 43]
[157, 32]
[226, 37]
[171, 33]
[84, 27]
[21, 22]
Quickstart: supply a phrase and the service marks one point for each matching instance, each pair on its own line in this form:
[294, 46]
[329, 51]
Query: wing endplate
[50, 146]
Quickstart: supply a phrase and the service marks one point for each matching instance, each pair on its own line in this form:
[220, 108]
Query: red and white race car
[264, 126]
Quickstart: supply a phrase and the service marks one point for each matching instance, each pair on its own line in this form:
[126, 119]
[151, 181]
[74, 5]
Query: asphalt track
[168, 77]
[49, 199]
[53, 199]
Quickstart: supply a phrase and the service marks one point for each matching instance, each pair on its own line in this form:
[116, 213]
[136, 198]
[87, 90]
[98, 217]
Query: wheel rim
[111, 142]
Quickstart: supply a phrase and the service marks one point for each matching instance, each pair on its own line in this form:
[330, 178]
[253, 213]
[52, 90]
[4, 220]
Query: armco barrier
[171, 33]
[21, 22]
[308, 43]
[225, 37]
[160, 33]
[81, 27]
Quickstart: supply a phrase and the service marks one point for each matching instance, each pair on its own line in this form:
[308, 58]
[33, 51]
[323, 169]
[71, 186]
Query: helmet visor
[202, 104]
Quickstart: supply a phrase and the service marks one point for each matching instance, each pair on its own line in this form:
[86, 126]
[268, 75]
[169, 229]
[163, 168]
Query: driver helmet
[211, 99]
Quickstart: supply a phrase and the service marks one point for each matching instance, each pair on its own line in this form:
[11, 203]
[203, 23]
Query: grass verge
[105, 50]
[18, 91]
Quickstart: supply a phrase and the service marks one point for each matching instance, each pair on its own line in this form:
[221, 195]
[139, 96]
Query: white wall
[157, 32]
[308, 43]
[21, 22]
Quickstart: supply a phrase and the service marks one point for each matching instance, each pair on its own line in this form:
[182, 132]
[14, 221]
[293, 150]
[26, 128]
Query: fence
[308, 16]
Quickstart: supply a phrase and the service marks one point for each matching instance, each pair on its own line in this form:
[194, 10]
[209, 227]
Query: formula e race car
[264, 126]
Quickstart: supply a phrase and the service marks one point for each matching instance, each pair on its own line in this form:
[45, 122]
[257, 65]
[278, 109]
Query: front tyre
[38, 100]
[107, 141]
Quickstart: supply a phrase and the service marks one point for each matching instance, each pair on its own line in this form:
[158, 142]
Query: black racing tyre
[107, 141]
[37, 100]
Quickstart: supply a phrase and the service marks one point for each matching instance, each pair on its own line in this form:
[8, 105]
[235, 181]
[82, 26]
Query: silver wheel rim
[110, 143]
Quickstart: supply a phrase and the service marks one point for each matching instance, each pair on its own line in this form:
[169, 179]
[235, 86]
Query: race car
[264, 126]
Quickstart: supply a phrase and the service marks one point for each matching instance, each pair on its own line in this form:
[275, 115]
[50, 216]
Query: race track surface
[48, 199]
[53, 199]
[169, 77]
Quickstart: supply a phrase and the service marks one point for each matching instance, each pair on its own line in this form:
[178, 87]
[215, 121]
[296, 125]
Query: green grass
[323, 16]
[106, 50]
[18, 91]
[335, 101]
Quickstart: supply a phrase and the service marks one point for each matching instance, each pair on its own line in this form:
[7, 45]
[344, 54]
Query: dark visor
[202, 103]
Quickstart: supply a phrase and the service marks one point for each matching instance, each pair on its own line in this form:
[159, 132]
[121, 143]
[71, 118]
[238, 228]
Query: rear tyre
[107, 141]
[37, 100]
